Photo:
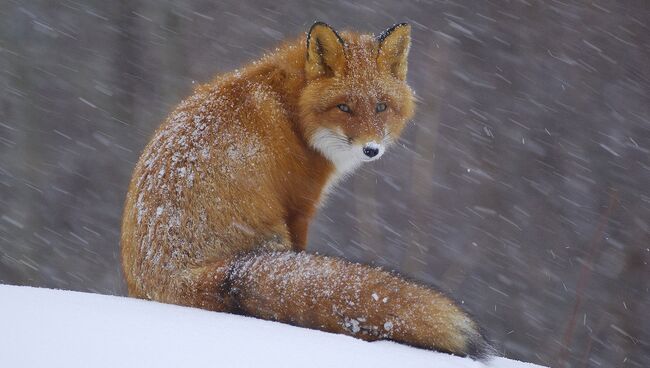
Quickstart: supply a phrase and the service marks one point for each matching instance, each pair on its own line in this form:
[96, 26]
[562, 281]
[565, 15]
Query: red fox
[218, 207]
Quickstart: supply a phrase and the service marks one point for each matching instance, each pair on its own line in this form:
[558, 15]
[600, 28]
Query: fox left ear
[325, 52]
[394, 44]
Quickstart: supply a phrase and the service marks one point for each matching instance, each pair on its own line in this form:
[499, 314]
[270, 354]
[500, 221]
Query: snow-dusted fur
[334, 295]
[222, 196]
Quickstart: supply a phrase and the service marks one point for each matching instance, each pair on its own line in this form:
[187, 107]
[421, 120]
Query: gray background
[521, 188]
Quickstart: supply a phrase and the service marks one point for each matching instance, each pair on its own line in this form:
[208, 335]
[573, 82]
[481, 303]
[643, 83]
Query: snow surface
[55, 328]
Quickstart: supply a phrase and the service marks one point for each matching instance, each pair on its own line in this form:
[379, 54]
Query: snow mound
[55, 328]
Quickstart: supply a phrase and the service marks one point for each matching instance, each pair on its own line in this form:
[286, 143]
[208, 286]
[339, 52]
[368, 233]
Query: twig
[585, 275]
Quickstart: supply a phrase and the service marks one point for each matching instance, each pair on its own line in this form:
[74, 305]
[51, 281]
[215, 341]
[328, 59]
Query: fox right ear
[394, 44]
[325, 52]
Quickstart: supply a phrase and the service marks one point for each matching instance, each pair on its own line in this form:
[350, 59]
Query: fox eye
[380, 107]
[343, 107]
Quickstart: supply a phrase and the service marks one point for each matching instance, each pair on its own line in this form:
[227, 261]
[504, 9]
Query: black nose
[370, 151]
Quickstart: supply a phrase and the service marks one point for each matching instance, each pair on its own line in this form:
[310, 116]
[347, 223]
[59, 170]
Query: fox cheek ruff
[337, 149]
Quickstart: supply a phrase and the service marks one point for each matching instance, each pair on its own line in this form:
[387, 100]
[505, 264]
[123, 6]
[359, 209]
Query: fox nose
[370, 150]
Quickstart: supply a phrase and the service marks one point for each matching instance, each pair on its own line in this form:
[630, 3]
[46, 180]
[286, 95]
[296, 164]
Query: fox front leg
[298, 227]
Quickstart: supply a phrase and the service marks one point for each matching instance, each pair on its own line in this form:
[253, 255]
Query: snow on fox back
[180, 155]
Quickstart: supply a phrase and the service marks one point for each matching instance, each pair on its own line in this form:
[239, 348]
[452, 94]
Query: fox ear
[394, 44]
[325, 52]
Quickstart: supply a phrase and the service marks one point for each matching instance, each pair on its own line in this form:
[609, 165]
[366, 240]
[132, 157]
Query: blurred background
[522, 187]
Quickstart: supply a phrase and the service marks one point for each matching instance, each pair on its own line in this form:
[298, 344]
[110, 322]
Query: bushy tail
[333, 295]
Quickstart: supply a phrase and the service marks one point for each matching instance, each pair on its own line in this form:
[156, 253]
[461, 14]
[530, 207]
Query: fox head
[356, 100]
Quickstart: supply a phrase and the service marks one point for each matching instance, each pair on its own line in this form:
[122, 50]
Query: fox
[218, 208]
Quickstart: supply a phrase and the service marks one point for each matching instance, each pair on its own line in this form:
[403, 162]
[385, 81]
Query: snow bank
[54, 328]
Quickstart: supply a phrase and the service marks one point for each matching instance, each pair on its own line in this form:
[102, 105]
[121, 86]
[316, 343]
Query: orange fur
[222, 197]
